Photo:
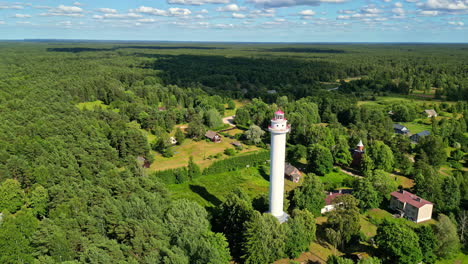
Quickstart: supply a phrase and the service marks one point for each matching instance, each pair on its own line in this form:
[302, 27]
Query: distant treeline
[80, 49]
[305, 50]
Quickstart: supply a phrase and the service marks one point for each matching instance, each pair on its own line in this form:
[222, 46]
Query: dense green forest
[75, 120]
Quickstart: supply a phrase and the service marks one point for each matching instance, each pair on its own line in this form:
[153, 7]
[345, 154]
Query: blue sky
[238, 20]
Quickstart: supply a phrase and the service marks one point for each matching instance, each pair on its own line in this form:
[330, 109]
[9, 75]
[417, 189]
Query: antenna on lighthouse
[278, 129]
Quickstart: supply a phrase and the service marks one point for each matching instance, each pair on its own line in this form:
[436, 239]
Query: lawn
[416, 127]
[230, 112]
[458, 259]
[337, 179]
[211, 190]
[200, 150]
[405, 182]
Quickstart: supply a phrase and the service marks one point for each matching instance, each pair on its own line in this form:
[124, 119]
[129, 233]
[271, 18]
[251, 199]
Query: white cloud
[203, 11]
[457, 23]
[429, 13]
[398, 4]
[11, 7]
[175, 11]
[2, 22]
[238, 15]
[197, 2]
[68, 9]
[284, 3]
[22, 16]
[107, 10]
[398, 11]
[450, 5]
[147, 20]
[77, 4]
[307, 12]
[229, 8]
[118, 16]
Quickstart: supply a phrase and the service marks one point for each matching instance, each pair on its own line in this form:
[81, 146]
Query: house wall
[425, 213]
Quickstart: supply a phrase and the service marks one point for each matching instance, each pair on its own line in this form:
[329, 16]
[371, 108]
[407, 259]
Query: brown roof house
[411, 206]
[430, 113]
[291, 172]
[213, 136]
[329, 206]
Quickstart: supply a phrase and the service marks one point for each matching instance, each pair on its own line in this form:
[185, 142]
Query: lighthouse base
[282, 218]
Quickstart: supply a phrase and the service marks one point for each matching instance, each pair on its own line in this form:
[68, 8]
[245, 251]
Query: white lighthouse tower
[278, 129]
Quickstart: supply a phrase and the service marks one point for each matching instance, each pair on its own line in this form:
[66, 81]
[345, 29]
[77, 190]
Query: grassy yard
[458, 259]
[211, 190]
[230, 112]
[200, 150]
[416, 127]
[405, 182]
[337, 179]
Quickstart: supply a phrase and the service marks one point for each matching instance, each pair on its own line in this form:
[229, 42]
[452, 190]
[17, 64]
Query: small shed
[236, 144]
[430, 113]
[292, 173]
[418, 136]
[213, 136]
[400, 129]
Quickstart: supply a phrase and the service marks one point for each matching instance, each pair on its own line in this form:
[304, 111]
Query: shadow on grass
[203, 192]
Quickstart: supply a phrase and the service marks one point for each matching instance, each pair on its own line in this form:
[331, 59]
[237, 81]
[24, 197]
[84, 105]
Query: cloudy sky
[238, 20]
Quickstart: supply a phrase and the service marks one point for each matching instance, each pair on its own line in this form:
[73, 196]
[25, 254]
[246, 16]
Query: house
[329, 206]
[292, 173]
[172, 140]
[400, 129]
[356, 154]
[419, 135]
[237, 144]
[411, 206]
[430, 113]
[142, 161]
[213, 136]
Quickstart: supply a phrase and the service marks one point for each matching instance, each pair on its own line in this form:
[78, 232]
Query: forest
[79, 121]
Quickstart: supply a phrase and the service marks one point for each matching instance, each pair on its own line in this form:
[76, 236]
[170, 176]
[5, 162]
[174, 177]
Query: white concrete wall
[277, 158]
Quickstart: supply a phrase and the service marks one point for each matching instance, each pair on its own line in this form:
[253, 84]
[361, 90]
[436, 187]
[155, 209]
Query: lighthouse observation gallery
[278, 129]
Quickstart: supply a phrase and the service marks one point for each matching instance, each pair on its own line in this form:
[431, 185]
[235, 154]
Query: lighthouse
[278, 129]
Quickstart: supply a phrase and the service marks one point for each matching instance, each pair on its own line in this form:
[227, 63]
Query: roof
[360, 144]
[210, 134]
[399, 127]
[424, 133]
[236, 143]
[430, 112]
[289, 169]
[279, 112]
[410, 198]
[330, 197]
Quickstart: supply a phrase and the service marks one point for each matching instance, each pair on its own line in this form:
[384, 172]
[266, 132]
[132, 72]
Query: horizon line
[219, 41]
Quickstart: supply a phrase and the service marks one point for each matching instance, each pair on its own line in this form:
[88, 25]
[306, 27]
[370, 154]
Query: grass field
[336, 179]
[211, 190]
[230, 112]
[416, 127]
[200, 150]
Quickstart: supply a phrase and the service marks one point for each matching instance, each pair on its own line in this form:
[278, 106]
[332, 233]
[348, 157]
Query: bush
[230, 151]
